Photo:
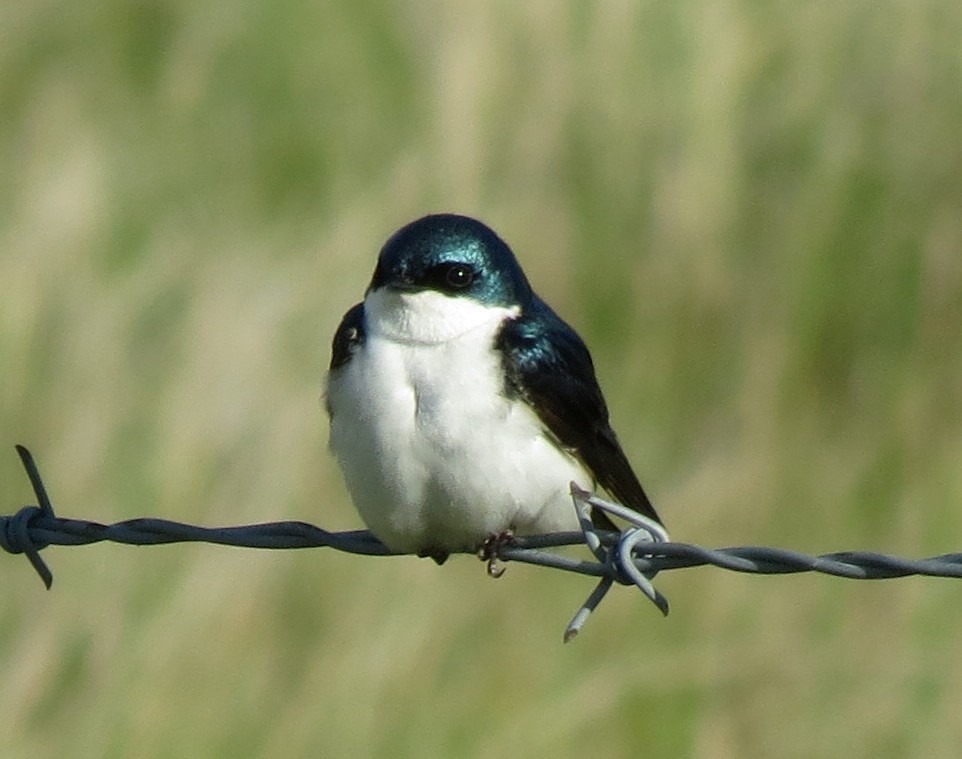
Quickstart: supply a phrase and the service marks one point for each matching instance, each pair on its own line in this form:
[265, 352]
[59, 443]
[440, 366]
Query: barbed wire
[632, 556]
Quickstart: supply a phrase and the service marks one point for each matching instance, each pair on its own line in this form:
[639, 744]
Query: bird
[461, 406]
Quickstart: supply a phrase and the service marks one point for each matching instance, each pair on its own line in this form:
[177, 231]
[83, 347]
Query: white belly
[435, 456]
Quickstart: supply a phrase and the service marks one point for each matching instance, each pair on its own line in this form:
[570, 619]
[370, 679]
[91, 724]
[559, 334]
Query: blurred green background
[751, 211]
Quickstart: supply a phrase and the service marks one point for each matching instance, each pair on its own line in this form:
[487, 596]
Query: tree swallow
[461, 406]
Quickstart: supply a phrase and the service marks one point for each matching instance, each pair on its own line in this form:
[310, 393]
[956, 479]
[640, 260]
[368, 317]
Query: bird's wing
[549, 366]
[347, 339]
[349, 335]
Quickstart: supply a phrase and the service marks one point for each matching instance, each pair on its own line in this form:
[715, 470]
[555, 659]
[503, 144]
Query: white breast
[435, 456]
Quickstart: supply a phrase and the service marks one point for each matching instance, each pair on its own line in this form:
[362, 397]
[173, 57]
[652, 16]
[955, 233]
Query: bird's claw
[488, 551]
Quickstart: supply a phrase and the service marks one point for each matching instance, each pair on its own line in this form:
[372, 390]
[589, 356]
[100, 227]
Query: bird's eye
[459, 276]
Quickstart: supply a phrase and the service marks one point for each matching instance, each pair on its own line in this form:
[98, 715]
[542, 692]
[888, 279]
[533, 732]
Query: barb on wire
[630, 557]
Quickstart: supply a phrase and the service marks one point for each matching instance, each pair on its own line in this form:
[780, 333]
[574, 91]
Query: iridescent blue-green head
[454, 255]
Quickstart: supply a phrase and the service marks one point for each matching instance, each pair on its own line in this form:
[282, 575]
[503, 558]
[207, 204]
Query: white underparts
[435, 453]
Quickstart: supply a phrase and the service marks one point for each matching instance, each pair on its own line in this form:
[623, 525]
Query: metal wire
[630, 557]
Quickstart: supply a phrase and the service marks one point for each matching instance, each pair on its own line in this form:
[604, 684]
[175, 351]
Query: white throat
[427, 317]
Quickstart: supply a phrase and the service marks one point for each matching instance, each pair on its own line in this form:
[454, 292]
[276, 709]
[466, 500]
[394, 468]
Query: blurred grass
[753, 212]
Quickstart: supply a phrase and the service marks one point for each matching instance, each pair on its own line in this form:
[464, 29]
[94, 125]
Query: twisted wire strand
[630, 557]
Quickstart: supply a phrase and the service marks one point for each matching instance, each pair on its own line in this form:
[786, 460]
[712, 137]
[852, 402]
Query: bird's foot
[488, 551]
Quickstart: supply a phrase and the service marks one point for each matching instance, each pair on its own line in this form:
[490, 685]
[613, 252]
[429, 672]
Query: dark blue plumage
[547, 363]
[455, 255]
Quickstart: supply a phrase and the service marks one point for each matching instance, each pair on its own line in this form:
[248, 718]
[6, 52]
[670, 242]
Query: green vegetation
[752, 212]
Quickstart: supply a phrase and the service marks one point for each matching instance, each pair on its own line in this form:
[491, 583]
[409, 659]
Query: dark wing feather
[347, 339]
[549, 366]
[349, 335]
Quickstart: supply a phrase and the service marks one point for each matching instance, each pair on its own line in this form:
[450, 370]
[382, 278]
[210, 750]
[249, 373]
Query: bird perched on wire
[461, 406]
